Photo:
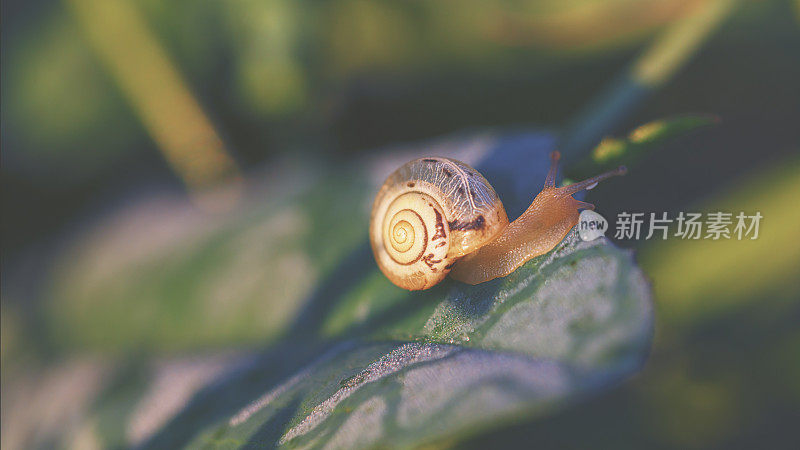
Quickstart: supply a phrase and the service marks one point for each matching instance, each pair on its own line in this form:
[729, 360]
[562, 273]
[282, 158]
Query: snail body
[435, 216]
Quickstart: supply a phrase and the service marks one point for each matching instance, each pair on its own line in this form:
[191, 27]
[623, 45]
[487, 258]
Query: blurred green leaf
[695, 279]
[612, 152]
[163, 276]
[61, 114]
[658, 130]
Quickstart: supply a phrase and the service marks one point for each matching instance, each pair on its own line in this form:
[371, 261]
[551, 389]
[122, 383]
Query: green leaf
[352, 360]
[566, 324]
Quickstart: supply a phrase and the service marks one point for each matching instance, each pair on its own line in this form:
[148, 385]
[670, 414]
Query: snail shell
[429, 213]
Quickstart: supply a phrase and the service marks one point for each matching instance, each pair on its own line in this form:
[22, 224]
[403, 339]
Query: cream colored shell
[427, 214]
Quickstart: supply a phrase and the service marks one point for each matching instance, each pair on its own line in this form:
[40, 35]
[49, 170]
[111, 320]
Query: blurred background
[145, 144]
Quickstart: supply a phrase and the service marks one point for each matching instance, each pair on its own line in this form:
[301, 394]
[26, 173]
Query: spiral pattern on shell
[428, 213]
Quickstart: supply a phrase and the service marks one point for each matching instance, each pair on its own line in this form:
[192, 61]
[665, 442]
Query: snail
[435, 216]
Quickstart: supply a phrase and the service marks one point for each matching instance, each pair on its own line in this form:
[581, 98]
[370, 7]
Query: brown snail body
[435, 216]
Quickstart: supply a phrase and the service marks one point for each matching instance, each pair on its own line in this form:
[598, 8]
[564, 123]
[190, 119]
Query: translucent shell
[428, 213]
